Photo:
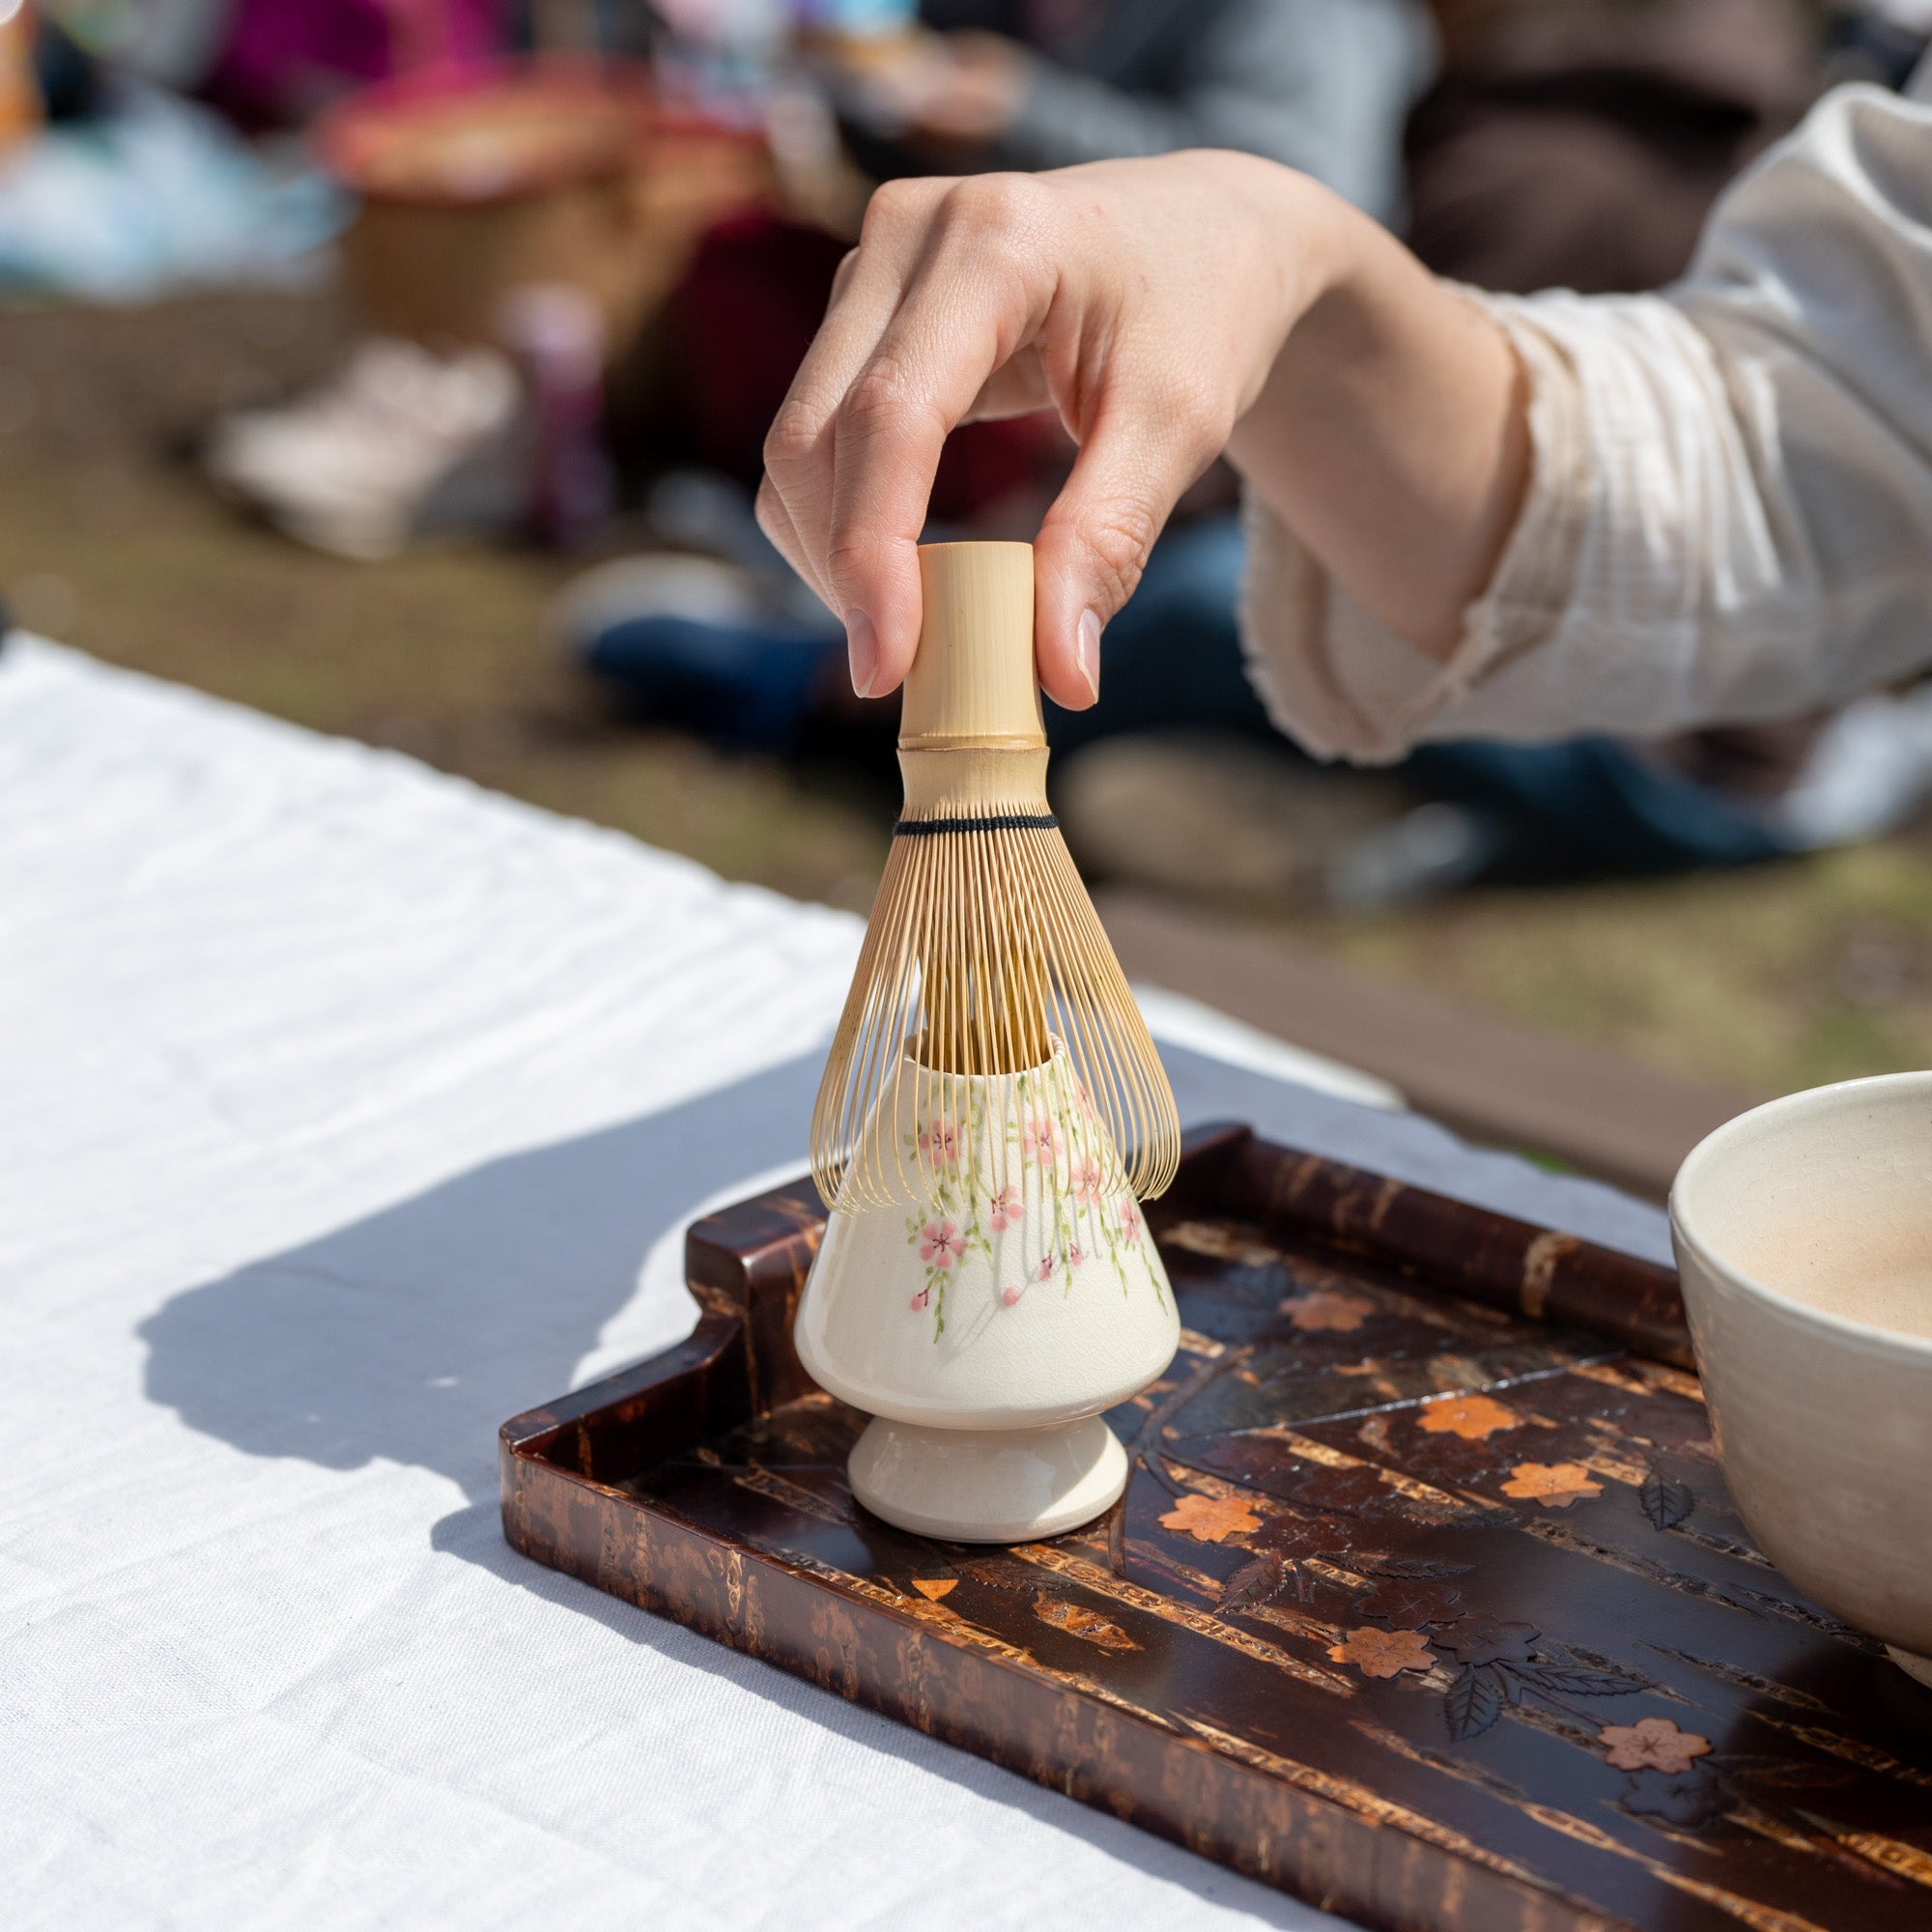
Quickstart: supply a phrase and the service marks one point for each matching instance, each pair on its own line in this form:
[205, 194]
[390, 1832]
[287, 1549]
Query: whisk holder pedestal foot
[989, 1485]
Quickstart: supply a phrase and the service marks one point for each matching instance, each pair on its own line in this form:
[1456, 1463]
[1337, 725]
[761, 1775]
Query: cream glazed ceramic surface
[1803, 1238]
[1002, 1293]
[1008, 1280]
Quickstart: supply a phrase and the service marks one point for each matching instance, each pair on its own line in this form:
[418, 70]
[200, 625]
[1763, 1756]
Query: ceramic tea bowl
[987, 1301]
[1804, 1238]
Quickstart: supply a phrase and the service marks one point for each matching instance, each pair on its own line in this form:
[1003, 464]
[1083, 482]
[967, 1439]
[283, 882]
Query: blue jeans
[1172, 659]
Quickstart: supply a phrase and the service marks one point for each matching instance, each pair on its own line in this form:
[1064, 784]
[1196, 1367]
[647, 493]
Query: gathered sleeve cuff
[1342, 683]
[1728, 516]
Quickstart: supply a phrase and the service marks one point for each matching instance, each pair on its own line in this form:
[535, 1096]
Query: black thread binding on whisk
[1003, 821]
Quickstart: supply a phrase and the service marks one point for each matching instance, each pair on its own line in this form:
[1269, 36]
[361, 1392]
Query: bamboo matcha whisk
[983, 954]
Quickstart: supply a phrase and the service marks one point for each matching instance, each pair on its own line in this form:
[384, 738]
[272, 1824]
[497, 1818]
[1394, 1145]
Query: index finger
[795, 503]
[976, 294]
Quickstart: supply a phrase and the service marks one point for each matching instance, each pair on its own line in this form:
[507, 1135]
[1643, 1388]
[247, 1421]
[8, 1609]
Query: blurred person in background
[738, 649]
[118, 186]
[975, 85]
[161, 148]
[419, 431]
[281, 62]
[523, 209]
[1877, 41]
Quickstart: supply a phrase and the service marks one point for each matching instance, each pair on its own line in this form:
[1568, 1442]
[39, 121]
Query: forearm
[1391, 433]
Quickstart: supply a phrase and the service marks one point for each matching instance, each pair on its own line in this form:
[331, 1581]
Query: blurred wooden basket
[478, 181]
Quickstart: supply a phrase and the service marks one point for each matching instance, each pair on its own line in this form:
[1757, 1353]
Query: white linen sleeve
[1729, 512]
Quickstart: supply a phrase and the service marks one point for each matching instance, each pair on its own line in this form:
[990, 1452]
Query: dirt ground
[1766, 980]
[109, 541]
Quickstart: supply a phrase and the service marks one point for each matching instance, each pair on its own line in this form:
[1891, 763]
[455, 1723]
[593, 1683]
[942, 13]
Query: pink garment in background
[284, 59]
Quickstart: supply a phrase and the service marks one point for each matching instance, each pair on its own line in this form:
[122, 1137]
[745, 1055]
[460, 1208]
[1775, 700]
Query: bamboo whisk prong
[984, 955]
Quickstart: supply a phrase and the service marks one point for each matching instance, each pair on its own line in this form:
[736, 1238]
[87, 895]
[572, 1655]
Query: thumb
[1093, 543]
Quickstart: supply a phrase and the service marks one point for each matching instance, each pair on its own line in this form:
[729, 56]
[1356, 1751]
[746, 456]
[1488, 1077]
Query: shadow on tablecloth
[409, 1336]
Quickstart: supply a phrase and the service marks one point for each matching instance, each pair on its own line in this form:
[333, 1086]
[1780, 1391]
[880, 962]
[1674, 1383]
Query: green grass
[1768, 978]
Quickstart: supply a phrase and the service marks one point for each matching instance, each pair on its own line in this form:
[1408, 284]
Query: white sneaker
[660, 583]
[1868, 773]
[400, 441]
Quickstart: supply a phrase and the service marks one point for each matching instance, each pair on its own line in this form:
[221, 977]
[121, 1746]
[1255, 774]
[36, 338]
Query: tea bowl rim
[1842, 1328]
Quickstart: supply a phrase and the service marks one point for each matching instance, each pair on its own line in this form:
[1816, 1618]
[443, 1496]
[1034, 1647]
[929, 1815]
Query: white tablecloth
[344, 1104]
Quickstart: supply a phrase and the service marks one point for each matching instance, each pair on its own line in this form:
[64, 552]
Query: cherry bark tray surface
[1425, 1601]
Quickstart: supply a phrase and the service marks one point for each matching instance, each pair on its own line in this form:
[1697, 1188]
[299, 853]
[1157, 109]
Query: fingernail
[1090, 652]
[861, 644]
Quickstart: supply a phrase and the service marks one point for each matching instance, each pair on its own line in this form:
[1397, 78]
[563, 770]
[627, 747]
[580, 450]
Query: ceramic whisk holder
[986, 1306]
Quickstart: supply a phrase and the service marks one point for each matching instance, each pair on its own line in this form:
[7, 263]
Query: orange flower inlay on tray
[1380, 1653]
[1469, 1417]
[1089, 1624]
[1211, 1518]
[1651, 1743]
[1329, 1308]
[1554, 1484]
[932, 1588]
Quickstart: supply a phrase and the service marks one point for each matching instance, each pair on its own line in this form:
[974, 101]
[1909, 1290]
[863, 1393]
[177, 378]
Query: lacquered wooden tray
[1424, 1601]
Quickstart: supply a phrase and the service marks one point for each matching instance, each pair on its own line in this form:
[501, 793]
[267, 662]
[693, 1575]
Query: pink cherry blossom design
[939, 1243]
[939, 1141]
[1041, 1139]
[1010, 1298]
[1044, 1271]
[1086, 1179]
[921, 1299]
[1073, 1254]
[1131, 1221]
[1084, 1100]
[1005, 1209]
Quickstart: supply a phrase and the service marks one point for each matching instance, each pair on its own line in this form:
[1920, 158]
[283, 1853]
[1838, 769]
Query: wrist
[1391, 433]
[1306, 246]
[1347, 350]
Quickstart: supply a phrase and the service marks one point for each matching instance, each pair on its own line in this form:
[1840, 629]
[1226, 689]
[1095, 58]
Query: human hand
[1144, 300]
